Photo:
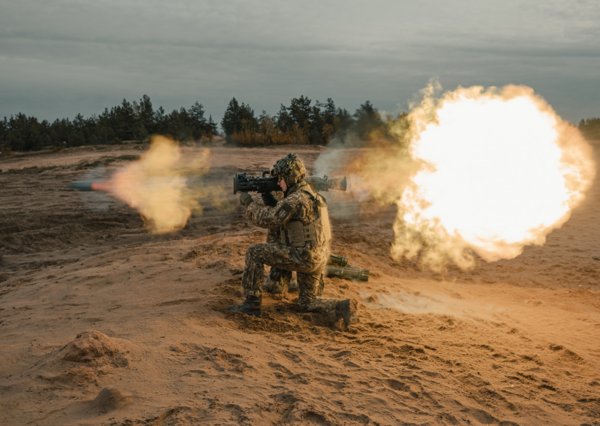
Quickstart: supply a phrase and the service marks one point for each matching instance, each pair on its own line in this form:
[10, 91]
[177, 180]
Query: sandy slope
[103, 323]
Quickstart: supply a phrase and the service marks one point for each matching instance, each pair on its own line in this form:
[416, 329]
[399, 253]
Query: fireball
[497, 170]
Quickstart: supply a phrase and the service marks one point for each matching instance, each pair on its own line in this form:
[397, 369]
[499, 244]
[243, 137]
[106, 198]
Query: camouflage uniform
[300, 204]
[298, 240]
[278, 280]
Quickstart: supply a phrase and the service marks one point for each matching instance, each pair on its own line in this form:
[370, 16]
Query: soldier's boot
[346, 310]
[251, 306]
[293, 288]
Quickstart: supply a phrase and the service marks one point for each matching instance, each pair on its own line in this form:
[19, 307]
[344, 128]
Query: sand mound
[94, 354]
[109, 399]
[96, 348]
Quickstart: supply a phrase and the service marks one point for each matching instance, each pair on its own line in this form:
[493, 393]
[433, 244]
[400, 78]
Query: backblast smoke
[159, 185]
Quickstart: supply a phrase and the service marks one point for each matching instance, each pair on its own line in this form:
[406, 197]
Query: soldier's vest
[317, 233]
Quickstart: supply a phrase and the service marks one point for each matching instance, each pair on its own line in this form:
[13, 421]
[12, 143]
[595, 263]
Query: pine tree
[284, 120]
[238, 117]
[300, 112]
[145, 115]
[367, 120]
[127, 125]
[198, 124]
[212, 128]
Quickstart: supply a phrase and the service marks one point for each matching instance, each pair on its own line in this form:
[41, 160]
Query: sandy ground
[102, 323]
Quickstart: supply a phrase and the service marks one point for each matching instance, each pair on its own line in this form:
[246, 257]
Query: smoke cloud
[440, 304]
[163, 186]
[476, 173]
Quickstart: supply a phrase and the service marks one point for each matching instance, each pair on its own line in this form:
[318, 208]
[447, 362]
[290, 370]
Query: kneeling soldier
[298, 240]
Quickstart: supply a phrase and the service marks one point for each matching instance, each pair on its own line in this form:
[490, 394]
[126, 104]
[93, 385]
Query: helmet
[290, 168]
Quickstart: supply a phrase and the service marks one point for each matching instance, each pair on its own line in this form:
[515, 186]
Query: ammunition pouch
[296, 234]
[314, 234]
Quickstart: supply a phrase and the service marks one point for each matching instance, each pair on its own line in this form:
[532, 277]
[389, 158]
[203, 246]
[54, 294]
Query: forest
[129, 121]
[302, 122]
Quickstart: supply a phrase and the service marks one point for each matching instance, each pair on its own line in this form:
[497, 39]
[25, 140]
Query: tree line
[124, 122]
[302, 122]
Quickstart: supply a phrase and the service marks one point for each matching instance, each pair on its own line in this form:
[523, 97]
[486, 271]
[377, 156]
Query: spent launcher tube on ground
[244, 183]
[337, 266]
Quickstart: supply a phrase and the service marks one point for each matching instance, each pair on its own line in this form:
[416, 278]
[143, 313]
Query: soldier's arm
[273, 217]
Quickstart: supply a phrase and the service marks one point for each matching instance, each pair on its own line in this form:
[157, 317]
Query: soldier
[298, 240]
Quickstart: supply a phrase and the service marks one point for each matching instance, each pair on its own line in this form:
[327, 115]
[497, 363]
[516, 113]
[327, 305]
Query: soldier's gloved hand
[246, 199]
[268, 199]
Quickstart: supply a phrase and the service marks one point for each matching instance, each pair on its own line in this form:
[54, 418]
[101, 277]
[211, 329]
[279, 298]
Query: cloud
[266, 52]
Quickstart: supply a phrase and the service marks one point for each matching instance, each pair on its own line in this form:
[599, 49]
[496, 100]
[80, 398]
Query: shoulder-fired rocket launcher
[245, 183]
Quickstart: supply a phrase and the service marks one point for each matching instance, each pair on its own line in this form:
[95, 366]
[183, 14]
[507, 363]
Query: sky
[59, 58]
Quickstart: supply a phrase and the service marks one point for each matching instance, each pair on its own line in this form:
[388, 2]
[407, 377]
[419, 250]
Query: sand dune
[102, 323]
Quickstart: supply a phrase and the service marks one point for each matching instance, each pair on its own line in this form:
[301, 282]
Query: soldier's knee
[252, 251]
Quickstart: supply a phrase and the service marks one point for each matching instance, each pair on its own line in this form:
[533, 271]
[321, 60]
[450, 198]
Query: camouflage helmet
[289, 168]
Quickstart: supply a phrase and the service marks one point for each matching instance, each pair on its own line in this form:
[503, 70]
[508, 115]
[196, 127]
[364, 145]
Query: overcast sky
[59, 58]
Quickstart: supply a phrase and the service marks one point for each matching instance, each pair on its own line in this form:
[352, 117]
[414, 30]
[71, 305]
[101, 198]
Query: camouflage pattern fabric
[274, 235]
[308, 262]
[277, 281]
[308, 265]
[290, 168]
[297, 205]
